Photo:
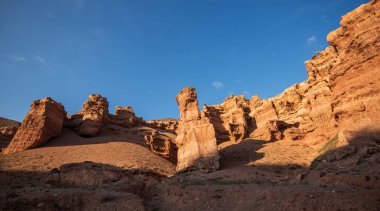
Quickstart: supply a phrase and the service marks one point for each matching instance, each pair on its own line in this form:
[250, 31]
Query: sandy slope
[118, 147]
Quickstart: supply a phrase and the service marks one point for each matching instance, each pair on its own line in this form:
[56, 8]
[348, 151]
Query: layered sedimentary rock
[196, 139]
[43, 122]
[170, 125]
[94, 115]
[230, 119]
[125, 117]
[342, 90]
[162, 145]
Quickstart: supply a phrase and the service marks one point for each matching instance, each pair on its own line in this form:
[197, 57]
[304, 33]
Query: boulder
[43, 122]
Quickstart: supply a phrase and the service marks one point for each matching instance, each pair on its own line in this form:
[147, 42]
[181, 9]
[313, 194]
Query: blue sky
[142, 53]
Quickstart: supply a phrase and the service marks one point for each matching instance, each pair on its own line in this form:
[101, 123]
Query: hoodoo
[196, 140]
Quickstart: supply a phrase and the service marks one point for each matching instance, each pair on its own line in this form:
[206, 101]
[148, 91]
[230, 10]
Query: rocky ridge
[318, 141]
[47, 118]
[341, 91]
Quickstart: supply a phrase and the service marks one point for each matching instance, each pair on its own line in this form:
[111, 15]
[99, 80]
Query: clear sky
[141, 53]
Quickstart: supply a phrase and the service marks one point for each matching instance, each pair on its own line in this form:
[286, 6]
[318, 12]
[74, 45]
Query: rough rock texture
[196, 140]
[8, 129]
[94, 114]
[162, 145]
[125, 117]
[170, 125]
[342, 91]
[230, 119]
[43, 122]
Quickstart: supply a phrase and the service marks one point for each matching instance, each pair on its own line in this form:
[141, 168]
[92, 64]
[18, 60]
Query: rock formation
[43, 122]
[230, 119]
[170, 125]
[94, 114]
[125, 117]
[342, 91]
[8, 129]
[162, 145]
[196, 140]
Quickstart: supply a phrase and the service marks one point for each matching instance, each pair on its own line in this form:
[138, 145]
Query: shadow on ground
[340, 178]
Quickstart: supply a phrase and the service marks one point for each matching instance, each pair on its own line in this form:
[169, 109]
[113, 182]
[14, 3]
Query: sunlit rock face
[43, 122]
[342, 91]
[196, 139]
[169, 125]
[125, 117]
[230, 119]
[94, 114]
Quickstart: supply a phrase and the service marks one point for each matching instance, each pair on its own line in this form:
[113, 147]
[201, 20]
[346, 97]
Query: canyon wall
[341, 93]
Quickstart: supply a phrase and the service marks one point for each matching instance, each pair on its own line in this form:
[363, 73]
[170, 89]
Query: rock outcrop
[8, 129]
[125, 117]
[230, 119]
[196, 139]
[162, 145]
[169, 125]
[342, 91]
[94, 114]
[43, 122]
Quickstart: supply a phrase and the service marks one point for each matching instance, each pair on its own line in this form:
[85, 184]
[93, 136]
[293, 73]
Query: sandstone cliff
[342, 91]
[230, 118]
[125, 117]
[94, 114]
[170, 125]
[43, 122]
[196, 141]
[162, 145]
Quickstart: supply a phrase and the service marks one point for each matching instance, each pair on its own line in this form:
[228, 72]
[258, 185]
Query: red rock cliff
[196, 141]
[43, 122]
[341, 93]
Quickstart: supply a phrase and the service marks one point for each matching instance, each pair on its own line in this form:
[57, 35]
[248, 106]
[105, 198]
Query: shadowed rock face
[8, 129]
[196, 140]
[162, 145]
[43, 122]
